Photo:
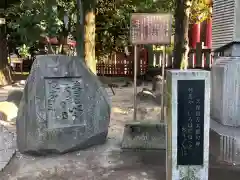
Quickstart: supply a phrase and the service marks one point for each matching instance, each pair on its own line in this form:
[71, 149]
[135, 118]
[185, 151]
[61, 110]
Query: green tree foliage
[40, 18]
[199, 12]
[113, 21]
[32, 20]
[186, 12]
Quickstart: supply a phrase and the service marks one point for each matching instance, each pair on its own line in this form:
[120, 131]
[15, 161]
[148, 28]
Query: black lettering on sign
[190, 122]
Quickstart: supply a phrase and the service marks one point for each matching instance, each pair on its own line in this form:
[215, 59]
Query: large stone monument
[188, 124]
[64, 107]
[225, 94]
[225, 109]
[225, 90]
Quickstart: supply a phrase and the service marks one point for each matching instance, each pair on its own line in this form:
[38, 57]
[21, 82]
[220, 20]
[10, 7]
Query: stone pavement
[105, 162]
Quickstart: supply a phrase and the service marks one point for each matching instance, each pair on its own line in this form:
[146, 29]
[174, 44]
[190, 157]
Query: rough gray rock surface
[64, 107]
[7, 146]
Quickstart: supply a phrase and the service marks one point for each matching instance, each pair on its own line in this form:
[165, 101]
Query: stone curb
[224, 146]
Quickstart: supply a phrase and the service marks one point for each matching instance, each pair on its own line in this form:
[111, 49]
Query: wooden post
[198, 56]
[191, 56]
[207, 55]
[196, 38]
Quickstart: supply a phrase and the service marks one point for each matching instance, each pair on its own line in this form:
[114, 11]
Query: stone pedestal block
[64, 107]
[225, 143]
[144, 136]
[225, 91]
[188, 114]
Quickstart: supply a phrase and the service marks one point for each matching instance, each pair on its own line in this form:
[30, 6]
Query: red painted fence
[121, 65]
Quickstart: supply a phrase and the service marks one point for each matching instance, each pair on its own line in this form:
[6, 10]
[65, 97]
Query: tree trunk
[181, 40]
[86, 40]
[89, 34]
[5, 70]
[80, 30]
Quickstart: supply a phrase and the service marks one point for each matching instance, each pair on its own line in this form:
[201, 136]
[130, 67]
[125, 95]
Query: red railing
[121, 65]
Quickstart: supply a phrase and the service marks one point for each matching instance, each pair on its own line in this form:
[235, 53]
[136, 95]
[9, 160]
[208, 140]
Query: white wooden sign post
[188, 124]
[155, 29]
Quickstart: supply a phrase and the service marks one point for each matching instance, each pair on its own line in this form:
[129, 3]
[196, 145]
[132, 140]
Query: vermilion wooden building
[202, 32]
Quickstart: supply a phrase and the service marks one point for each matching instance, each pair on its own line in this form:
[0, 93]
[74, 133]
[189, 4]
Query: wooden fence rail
[121, 65]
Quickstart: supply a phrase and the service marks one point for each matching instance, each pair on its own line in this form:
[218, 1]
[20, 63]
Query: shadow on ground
[103, 164]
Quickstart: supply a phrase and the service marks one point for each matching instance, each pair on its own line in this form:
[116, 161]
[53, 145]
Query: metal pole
[163, 83]
[135, 85]
[162, 108]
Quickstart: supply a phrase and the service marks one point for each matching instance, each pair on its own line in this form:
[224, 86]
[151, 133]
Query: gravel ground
[108, 161]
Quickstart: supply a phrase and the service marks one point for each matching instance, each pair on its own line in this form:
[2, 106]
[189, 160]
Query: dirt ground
[102, 162]
[108, 161]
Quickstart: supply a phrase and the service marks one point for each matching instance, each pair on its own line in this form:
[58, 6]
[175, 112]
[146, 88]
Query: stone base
[144, 136]
[225, 143]
[98, 139]
[224, 140]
